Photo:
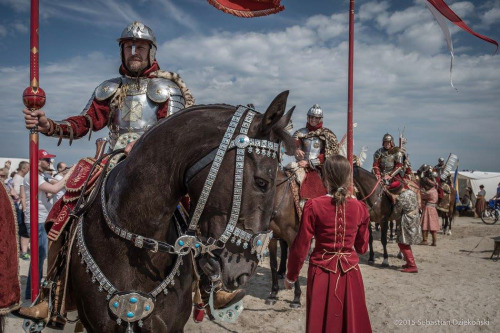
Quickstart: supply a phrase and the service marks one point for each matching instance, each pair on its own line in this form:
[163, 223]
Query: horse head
[234, 223]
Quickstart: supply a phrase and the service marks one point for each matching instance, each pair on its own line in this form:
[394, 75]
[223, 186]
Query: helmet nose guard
[139, 31]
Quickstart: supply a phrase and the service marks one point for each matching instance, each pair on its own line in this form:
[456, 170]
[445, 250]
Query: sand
[457, 289]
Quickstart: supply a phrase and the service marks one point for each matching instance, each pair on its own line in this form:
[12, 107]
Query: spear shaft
[350, 87]
[34, 99]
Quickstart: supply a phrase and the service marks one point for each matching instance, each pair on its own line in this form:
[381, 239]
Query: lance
[350, 87]
[34, 99]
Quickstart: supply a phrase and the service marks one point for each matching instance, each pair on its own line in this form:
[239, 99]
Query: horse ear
[273, 113]
[285, 120]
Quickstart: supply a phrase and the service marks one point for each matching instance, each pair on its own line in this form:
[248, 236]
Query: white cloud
[19, 27]
[491, 16]
[396, 84]
[17, 5]
[3, 31]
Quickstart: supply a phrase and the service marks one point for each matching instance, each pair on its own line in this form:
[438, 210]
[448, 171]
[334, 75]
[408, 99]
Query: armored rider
[440, 167]
[129, 105]
[314, 143]
[390, 162]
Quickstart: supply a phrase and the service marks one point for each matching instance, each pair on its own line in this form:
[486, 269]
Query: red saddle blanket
[59, 215]
[10, 286]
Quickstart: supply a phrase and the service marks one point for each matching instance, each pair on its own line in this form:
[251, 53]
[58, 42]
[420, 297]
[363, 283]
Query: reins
[373, 190]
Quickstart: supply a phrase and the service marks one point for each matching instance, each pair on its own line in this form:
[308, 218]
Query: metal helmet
[388, 137]
[139, 31]
[441, 160]
[315, 111]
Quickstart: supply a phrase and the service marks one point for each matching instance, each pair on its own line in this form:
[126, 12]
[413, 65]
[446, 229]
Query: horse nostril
[242, 279]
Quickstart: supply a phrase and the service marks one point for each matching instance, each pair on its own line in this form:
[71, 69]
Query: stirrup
[30, 326]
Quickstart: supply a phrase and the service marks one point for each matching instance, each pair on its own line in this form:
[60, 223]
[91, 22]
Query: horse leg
[391, 227]
[444, 218]
[450, 219]
[283, 258]
[371, 260]
[383, 238]
[296, 298]
[273, 262]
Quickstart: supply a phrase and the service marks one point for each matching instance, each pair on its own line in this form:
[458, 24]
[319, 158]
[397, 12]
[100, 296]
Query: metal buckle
[156, 246]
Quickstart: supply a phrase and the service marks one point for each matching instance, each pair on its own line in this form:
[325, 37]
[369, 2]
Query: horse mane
[278, 129]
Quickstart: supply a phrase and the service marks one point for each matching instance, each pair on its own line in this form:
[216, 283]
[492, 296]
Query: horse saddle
[82, 182]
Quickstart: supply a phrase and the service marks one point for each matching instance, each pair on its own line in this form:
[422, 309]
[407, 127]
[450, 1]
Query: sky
[401, 75]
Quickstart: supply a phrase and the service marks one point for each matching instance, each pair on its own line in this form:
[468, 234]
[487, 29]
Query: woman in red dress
[339, 223]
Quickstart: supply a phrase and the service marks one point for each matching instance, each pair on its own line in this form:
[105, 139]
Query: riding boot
[411, 267]
[224, 299]
[36, 312]
[434, 238]
[425, 234]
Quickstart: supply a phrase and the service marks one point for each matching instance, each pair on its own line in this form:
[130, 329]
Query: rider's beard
[136, 64]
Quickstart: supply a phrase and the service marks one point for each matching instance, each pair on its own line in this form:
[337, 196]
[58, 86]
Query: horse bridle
[134, 306]
[190, 242]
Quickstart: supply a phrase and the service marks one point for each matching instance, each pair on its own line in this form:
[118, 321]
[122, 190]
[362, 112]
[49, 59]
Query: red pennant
[248, 8]
[446, 11]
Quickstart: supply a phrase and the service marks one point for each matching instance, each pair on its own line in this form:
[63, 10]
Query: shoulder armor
[300, 133]
[378, 154]
[107, 89]
[159, 90]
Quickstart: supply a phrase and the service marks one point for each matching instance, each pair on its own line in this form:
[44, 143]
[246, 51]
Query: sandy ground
[457, 289]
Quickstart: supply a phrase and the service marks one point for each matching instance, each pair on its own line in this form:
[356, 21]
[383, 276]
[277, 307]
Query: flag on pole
[446, 11]
[441, 12]
[248, 8]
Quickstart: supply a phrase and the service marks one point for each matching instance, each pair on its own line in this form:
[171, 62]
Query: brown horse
[371, 191]
[285, 225]
[141, 195]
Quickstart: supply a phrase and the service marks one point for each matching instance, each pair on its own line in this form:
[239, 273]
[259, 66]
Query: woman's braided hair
[337, 177]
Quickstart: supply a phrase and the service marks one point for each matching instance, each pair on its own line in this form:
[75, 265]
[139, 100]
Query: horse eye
[261, 183]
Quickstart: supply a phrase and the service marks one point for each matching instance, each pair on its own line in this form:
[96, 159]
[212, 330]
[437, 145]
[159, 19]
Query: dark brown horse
[285, 225]
[370, 190]
[141, 195]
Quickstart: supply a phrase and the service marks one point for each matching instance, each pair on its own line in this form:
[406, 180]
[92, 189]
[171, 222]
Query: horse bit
[133, 306]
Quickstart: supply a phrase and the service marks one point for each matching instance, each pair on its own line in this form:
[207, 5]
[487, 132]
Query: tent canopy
[473, 179]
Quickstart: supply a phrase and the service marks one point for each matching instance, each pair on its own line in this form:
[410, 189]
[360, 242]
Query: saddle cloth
[59, 215]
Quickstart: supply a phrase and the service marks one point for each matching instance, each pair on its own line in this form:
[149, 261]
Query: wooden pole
[350, 87]
[33, 99]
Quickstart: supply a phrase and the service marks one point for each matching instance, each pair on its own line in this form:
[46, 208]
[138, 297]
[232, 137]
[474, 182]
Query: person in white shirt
[18, 179]
[44, 206]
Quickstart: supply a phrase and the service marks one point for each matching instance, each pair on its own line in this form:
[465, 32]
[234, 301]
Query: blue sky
[401, 67]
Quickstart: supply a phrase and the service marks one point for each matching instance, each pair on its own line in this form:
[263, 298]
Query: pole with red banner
[33, 99]
[350, 82]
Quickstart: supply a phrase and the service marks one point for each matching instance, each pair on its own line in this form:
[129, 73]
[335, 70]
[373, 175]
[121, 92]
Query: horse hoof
[271, 301]
[385, 263]
[295, 305]
[371, 262]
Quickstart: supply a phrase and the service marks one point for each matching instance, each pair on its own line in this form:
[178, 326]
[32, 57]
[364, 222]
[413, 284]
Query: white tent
[473, 179]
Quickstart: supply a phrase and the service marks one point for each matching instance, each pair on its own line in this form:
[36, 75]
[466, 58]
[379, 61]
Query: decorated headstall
[190, 242]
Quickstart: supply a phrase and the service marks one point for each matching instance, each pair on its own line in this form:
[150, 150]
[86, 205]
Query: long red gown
[335, 291]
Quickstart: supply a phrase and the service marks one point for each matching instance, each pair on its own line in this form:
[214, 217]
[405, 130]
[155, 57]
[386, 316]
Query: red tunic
[335, 291]
[97, 116]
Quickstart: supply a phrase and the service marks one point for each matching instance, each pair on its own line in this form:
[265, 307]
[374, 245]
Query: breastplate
[312, 147]
[138, 112]
[387, 163]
